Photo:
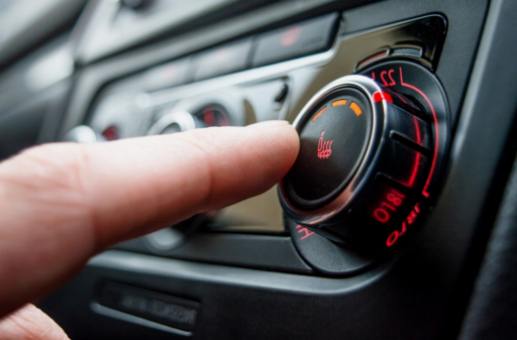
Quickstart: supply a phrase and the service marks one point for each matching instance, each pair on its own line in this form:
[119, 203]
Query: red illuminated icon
[304, 232]
[110, 133]
[408, 221]
[324, 146]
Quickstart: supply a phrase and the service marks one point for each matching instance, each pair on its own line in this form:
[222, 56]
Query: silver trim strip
[163, 97]
[116, 314]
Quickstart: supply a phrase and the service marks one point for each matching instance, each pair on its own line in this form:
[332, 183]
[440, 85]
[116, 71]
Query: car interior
[398, 218]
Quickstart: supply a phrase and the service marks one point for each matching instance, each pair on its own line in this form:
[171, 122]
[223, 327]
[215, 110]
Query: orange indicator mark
[319, 113]
[339, 102]
[356, 108]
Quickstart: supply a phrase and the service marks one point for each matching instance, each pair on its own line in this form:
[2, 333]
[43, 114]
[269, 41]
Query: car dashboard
[415, 242]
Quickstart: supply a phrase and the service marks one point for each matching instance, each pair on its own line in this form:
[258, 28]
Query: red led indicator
[110, 133]
[380, 96]
[209, 117]
[324, 146]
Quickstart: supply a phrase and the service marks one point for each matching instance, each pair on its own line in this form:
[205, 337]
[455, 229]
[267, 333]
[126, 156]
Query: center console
[374, 230]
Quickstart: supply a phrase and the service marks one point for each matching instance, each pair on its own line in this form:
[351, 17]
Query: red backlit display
[410, 219]
[388, 206]
[324, 146]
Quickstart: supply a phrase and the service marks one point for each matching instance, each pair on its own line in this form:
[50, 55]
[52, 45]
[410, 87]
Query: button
[323, 254]
[415, 52]
[223, 59]
[408, 169]
[333, 141]
[300, 39]
[174, 312]
[411, 128]
[167, 75]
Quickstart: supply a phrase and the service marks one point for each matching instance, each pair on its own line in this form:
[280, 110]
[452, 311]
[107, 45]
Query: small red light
[380, 96]
[110, 133]
[209, 117]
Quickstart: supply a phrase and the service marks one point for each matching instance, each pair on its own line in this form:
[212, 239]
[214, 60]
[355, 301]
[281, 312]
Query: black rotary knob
[364, 159]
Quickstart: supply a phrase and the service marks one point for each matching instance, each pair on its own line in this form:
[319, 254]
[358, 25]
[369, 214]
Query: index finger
[62, 203]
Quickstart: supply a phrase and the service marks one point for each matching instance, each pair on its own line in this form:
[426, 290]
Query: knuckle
[202, 143]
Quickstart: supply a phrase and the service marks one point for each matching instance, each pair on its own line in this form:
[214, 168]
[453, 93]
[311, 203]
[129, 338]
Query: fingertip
[282, 139]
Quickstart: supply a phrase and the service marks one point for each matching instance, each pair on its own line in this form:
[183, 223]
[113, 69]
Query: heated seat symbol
[324, 146]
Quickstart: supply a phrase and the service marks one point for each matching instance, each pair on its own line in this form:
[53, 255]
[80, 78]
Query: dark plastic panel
[34, 121]
[101, 36]
[257, 251]
[494, 305]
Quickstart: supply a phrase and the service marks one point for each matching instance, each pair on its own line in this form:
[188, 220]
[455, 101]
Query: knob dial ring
[370, 89]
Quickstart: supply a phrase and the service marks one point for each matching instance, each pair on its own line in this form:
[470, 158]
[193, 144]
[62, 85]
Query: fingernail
[270, 124]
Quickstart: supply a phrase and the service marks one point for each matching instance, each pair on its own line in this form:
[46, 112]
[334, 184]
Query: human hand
[62, 203]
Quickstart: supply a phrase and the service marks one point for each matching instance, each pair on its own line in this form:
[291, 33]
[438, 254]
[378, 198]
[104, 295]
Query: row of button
[297, 40]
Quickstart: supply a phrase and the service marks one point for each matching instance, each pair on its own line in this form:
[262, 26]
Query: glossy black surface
[333, 141]
[297, 40]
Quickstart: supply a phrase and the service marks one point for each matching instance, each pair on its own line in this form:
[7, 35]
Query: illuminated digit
[381, 215]
[395, 197]
[403, 228]
[388, 206]
[411, 217]
[392, 238]
[392, 81]
[387, 78]
[383, 78]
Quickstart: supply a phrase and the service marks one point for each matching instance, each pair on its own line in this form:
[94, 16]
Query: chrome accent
[183, 119]
[82, 134]
[163, 97]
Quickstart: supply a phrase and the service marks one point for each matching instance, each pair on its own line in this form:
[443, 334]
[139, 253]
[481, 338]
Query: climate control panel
[373, 141]
[372, 152]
